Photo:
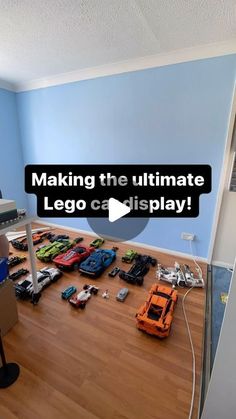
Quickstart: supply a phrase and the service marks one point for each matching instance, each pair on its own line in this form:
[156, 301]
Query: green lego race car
[97, 243]
[48, 252]
[129, 256]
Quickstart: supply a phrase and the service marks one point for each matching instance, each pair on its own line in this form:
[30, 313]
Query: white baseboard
[222, 264]
[131, 243]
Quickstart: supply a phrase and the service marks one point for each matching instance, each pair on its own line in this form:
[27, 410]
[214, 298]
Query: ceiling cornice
[142, 63]
[7, 86]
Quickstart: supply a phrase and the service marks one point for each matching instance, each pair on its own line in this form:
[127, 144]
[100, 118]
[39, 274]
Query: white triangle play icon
[117, 209]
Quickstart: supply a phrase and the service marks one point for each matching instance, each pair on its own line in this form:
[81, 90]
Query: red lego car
[73, 257]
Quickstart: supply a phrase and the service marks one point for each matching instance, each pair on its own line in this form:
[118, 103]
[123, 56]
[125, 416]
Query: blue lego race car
[97, 262]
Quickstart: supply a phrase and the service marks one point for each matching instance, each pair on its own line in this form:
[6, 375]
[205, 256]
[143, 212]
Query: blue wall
[173, 114]
[11, 159]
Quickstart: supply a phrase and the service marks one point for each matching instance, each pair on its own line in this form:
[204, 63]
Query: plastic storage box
[3, 269]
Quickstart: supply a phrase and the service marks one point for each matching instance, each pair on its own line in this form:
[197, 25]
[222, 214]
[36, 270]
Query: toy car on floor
[190, 281]
[37, 238]
[122, 294]
[80, 300]
[138, 270]
[179, 277]
[60, 237]
[19, 244]
[56, 237]
[155, 316]
[68, 292]
[97, 243]
[15, 260]
[46, 276]
[16, 275]
[114, 272]
[48, 252]
[73, 257]
[98, 262]
[129, 256]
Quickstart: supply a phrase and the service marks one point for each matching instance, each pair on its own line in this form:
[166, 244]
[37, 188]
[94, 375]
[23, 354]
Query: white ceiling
[43, 38]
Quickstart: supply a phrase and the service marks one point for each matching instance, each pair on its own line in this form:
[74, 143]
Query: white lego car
[79, 300]
[24, 288]
[179, 277]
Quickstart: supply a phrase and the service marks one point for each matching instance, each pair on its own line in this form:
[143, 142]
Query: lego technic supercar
[155, 316]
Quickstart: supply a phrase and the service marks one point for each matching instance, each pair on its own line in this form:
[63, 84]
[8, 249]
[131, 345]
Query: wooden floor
[95, 363]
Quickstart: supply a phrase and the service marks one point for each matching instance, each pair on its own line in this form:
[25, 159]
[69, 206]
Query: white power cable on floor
[198, 268]
[193, 354]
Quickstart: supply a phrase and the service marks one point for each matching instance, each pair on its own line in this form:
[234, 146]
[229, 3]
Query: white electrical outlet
[187, 236]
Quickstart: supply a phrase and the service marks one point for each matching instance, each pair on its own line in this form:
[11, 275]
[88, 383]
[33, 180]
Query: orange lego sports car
[156, 314]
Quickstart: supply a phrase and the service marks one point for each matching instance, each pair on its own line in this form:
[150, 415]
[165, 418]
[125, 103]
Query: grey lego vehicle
[122, 294]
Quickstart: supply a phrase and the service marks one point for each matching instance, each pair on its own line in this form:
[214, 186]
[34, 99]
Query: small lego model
[80, 300]
[105, 294]
[180, 277]
[167, 274]
[98, 262]
[114, 272]
[73, 257]
[18, 274]
[56, 237]
[19, 244]
[68, 292]
[48, 252]
[39, 237]
[15, 260]
[137, 271]
[97, 242]
[155, 316]
[122, 294]
[36, 237]
[21, 212]
[129, 256]
[24, 289]
[190, 281]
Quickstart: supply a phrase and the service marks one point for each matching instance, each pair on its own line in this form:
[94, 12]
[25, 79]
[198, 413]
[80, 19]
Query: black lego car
[138, 270]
